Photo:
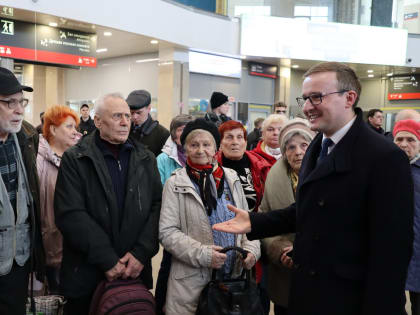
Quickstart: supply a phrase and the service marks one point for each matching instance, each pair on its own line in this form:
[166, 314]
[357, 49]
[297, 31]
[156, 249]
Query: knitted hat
[217, 99]
[201, 123]
[298, 125]
[408, 125]
[138, 99]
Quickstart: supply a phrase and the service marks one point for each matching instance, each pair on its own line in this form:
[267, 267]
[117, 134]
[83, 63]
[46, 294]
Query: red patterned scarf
[202, 175]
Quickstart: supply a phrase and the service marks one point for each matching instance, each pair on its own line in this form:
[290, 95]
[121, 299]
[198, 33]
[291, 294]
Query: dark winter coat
[28, 140]
[87, 215]
[253, 138]
[353, 219]
[151, 134]
[86, 127]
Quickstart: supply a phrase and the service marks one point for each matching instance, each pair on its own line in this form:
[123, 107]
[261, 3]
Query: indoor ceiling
[122, 43]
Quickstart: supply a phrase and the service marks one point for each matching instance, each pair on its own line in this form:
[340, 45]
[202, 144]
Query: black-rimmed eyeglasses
[13, 103]
[315, 98]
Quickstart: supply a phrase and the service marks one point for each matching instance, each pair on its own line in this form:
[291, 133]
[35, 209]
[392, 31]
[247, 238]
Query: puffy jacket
[47, 165]
[168, 161]
[258, 150]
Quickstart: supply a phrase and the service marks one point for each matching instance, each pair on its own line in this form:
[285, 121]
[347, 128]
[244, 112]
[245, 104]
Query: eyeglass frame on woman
[302, 100]
[12, 103]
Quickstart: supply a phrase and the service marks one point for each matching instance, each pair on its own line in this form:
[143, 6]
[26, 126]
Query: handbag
[230, 296]
[47, 305]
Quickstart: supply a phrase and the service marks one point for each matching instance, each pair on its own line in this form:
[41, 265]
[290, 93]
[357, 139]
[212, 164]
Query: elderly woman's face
[271, 134]
[66, 133]
[233, 144]
[295, 150]
[408, 143]
[178, 133]
[201, 148]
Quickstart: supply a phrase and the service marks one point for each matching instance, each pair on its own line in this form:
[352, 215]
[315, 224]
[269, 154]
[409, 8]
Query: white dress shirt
[339, 134]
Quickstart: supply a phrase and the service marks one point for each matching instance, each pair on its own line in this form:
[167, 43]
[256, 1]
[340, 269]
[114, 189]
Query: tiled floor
[158, 258]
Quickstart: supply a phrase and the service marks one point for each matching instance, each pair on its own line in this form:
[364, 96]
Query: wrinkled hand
[115, 272]
[240, 224]
[133, 266]
[217, 258]
[286, 260]
[249, 261]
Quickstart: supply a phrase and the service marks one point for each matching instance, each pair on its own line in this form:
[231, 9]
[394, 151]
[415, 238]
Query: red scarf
[200, 174]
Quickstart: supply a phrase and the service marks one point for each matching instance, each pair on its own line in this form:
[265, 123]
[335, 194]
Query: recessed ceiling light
[371, 76]
[295, 66]
[147, 60]
[53, 24]
[390, 74]
[100, 50]
[154, 42]
[107, 34]
[370, 71]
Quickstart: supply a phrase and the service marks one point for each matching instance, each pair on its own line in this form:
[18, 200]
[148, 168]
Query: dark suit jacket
[353, 222]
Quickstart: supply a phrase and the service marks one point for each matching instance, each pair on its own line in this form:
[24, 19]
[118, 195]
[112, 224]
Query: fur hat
[201, 123]
[217, 99]
[408, 125]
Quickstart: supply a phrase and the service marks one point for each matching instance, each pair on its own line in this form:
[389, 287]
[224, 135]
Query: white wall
[248, 89]
[154, 18]
[120, 74]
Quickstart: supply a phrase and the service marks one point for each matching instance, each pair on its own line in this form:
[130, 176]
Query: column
[282, 87]
[7, 63]
[173, 85]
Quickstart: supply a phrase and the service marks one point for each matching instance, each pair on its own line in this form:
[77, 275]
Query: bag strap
[244, 253]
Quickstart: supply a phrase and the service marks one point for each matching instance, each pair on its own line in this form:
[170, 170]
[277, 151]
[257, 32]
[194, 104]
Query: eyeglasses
[119, 116]
[13, 103]
[316, 99]
[280, 111]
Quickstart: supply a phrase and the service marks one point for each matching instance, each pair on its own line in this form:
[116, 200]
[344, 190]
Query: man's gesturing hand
[133, 266]
[115, 272]
[238, 225]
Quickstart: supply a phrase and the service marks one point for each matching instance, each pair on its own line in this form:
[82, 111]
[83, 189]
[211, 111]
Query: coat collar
[339, 160]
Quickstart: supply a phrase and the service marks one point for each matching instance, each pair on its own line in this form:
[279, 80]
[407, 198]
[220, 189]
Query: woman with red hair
[252, 170]
[59, 134]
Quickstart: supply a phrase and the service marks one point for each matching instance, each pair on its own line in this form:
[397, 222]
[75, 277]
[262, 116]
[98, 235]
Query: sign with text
[40, 43]
[262, 70]
[405, 87]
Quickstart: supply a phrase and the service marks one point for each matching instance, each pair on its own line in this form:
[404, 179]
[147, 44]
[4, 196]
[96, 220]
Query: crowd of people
[327, 208]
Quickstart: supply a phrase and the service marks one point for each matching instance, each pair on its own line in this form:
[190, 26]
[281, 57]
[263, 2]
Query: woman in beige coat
[280, 190]
[195, 198]
[59, 133]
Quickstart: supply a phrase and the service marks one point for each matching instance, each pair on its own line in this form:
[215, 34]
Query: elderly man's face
[11, 119]
[114, 120]
[408, 143]
[139, 116]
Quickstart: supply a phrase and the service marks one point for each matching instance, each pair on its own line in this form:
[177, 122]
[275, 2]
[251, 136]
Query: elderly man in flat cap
[143, 128]
[20, 237]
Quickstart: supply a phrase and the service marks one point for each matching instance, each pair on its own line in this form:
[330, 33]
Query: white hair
[100, 102]
[282, 119]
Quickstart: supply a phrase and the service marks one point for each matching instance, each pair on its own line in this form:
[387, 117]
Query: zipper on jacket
[138, 190]
[119, 165]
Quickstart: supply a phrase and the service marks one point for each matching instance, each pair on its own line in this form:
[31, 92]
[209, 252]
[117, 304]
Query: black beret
[217, 99]
[201, 123]
[138, 99]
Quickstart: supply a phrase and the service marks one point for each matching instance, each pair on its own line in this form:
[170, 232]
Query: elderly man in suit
[353, 212]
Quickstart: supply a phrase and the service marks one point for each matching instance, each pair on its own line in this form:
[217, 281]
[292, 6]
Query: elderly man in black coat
[353, 212]
[107, 205]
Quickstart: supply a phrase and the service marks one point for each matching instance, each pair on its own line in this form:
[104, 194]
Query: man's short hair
[258, 121]
[372, 112]
[84, 105]
[280, 104]
[346, 77]
[100, 102]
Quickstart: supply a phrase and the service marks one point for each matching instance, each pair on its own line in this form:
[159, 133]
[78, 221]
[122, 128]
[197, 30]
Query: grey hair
[288, 136]
[194, 133]
[100, 102]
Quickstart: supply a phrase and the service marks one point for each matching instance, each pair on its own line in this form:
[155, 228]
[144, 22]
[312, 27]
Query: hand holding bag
[230, 296]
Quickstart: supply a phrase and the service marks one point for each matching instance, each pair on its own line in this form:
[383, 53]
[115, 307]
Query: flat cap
[138, 99]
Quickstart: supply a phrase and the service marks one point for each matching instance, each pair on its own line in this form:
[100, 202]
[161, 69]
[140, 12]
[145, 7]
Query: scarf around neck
[210, 181]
